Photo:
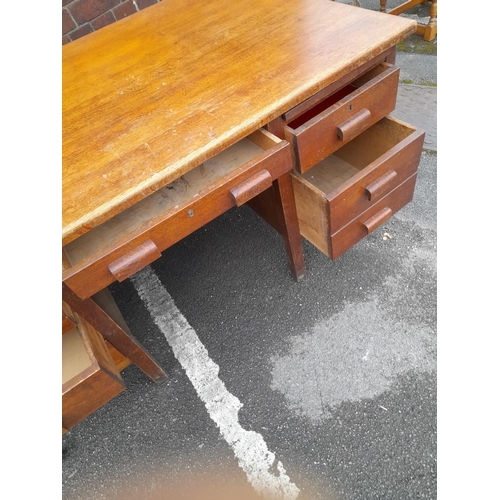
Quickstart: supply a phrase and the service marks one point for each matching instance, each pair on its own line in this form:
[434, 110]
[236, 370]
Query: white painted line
[249, 447]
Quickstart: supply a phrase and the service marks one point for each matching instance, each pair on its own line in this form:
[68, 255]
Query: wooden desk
[163, 116]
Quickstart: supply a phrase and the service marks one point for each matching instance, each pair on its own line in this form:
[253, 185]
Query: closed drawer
[133, 239]
[342, 116]
[355, 179]
[373, 218]
[90, 377]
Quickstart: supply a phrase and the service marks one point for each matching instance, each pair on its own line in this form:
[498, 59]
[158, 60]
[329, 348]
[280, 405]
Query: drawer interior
[75, 358]
[338, 96]
[357, 154]
[169, 198]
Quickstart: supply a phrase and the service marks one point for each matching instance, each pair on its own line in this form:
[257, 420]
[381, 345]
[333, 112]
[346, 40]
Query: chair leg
[431, 29]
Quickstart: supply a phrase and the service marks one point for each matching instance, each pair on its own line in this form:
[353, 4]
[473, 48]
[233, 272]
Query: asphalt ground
[336, 374]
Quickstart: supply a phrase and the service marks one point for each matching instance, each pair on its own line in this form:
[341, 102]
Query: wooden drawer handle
[134, 261]
[251, 187]
[378, 219]
[381, 185]
[354, 125]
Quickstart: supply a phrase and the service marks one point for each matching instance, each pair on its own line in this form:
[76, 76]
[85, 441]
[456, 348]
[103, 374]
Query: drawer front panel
[88, 396]
[95, 272]
[372, 218]
[375, 181]
[90, 376]
[332, 128]
[322, 95]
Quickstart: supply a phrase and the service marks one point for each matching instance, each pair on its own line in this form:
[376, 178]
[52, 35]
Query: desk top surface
[152, 96]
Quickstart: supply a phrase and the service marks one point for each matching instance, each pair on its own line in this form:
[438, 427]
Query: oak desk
[185, 109]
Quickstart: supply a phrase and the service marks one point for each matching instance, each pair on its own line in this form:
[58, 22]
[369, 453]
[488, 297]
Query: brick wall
[81, 17]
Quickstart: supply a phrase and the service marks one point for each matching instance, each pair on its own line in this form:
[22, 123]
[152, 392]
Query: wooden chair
[429, 31]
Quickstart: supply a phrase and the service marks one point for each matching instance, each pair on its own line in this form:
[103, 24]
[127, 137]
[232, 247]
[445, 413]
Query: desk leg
[276, 205]
[114, 334]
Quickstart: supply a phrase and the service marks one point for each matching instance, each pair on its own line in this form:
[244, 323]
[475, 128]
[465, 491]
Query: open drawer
[90, 377]
[134, 238]
[342, 116]
[352, 185]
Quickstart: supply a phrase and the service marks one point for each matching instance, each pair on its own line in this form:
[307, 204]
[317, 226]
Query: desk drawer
[373, 218]
[342, 116]
[90, 377]
[355, 179]
[133, 239]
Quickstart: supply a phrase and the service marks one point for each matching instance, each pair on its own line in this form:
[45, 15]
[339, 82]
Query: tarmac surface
[334, 377]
